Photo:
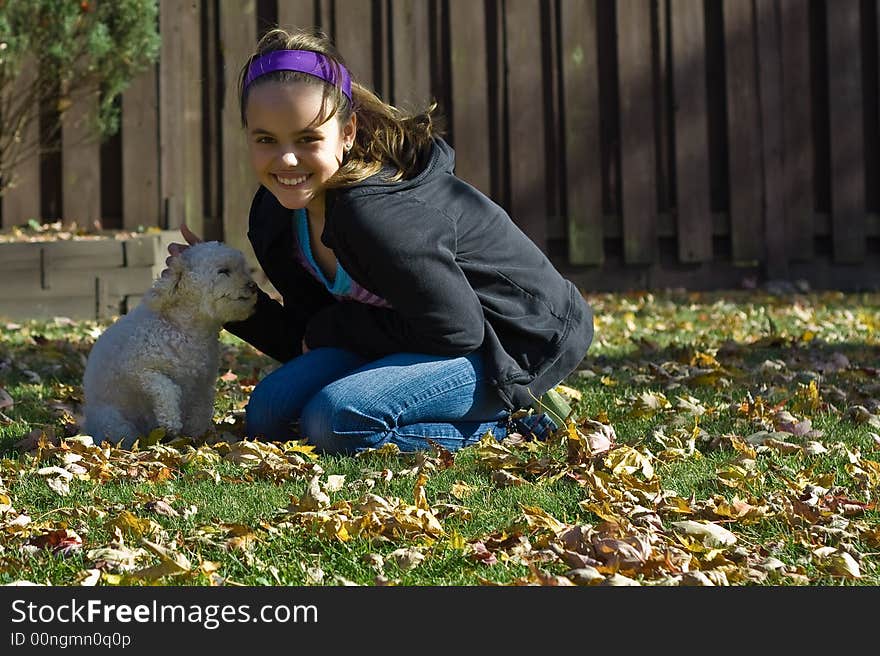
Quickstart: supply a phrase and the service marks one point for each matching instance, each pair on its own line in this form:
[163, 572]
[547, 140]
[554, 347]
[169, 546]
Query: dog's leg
[104, 422]
[165, 396]
[200, 411]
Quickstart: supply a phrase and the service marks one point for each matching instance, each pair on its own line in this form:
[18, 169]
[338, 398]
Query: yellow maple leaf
[420, 499]
[539, 518]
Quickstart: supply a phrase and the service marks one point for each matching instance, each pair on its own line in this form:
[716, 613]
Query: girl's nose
[289, 159]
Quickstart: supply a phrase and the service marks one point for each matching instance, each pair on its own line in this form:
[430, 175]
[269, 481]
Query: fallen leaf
[839, 563]
[406, 558]
[620, 580]
[62, 541]
[37, 438]
[171, 563]
[5, 400]
[711, 534]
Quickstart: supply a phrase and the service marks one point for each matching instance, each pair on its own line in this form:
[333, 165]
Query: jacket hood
[441, 159]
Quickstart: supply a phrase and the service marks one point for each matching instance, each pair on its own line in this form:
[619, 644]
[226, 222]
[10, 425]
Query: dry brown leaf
[117, 557]
[161, 507]
[171, 563]
[538, 518]
[335, 482]
[585, 576]
[600, 437]
[838, 563]
[619, 580]
[315, 498]
[710, 534]
[406, 557]
[626, 459]
[88, 577]
[131, 525]
[503, 478]
[37, 438]
[420, 499]
[5, 400]
[479, 552]
[61, 541]
[461, 490]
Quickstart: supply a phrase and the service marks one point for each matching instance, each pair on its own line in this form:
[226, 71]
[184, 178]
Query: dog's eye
[225, 272]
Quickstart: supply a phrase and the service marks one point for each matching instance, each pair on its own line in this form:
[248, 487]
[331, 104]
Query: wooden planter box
[85, 279]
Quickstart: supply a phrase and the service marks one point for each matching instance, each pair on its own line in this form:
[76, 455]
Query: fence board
[238, 35]
[21, 202]
[410, 68]
[846, 133]
[48, 307]
[797, 126]
[743, 131]
[83, 254]
[499, 152]
[770, 93]
[637, 150]
[180, 125]
[354, 37]
[78, 282]
[211, 154]
[528, 201]
[80, 162]
[140, 153]
[693, 224]
[148, 250]
[583, 164]
[17, 257]
[325, 17]
[297, 14]
[191, 93]
[171, 155]
[470, 112]
[662, 103]
[22, 283]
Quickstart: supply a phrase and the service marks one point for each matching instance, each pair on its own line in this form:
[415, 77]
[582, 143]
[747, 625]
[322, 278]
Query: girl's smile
[290, 180]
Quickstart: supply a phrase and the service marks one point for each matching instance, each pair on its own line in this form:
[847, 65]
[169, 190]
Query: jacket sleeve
[405, 253]
[273, 329]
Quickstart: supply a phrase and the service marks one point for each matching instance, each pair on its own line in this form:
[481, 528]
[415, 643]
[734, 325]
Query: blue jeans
[345, 403]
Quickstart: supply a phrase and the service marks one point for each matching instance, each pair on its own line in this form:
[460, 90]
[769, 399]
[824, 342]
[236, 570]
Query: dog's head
[210, 281]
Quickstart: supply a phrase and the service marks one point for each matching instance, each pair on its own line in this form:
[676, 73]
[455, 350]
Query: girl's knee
[263, 416]
[334, 422]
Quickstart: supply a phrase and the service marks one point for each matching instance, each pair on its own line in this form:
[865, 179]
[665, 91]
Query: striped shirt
[342, 287]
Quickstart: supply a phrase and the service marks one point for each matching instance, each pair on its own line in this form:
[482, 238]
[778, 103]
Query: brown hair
[385, 136]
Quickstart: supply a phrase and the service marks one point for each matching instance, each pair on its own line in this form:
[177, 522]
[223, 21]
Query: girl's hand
[305, 348]
[175, 249]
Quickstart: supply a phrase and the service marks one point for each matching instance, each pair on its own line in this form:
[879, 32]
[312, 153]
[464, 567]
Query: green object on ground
[553, 403]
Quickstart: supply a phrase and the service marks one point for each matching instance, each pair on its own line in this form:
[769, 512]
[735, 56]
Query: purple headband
[302, 61]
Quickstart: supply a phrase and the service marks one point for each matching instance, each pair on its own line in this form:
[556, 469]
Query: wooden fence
[82, 279]
[640, 143]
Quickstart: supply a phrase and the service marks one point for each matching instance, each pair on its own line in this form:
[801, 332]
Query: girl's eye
[264, 140]
[224, 272]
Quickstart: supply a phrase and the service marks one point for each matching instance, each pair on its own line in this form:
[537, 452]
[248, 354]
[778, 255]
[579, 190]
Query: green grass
[686, 380]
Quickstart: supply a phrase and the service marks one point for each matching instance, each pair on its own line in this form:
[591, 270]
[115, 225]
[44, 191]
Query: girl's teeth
[291, 181]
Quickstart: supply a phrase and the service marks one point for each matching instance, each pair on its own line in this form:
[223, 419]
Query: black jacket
[458, 273]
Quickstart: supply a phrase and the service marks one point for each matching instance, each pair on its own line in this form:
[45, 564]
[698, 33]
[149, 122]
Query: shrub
[55, 51]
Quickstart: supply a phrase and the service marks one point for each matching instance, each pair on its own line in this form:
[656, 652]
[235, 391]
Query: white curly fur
[157, 366]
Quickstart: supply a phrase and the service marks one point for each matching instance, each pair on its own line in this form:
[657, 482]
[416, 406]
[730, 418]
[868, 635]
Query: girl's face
[292, 155]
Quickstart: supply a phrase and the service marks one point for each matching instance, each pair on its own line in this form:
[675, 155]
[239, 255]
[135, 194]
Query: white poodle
[157, 366]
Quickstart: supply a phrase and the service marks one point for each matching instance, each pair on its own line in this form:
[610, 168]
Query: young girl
[413, 309]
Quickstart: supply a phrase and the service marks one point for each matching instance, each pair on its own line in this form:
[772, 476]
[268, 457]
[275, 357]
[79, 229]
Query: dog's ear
[164, 289]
